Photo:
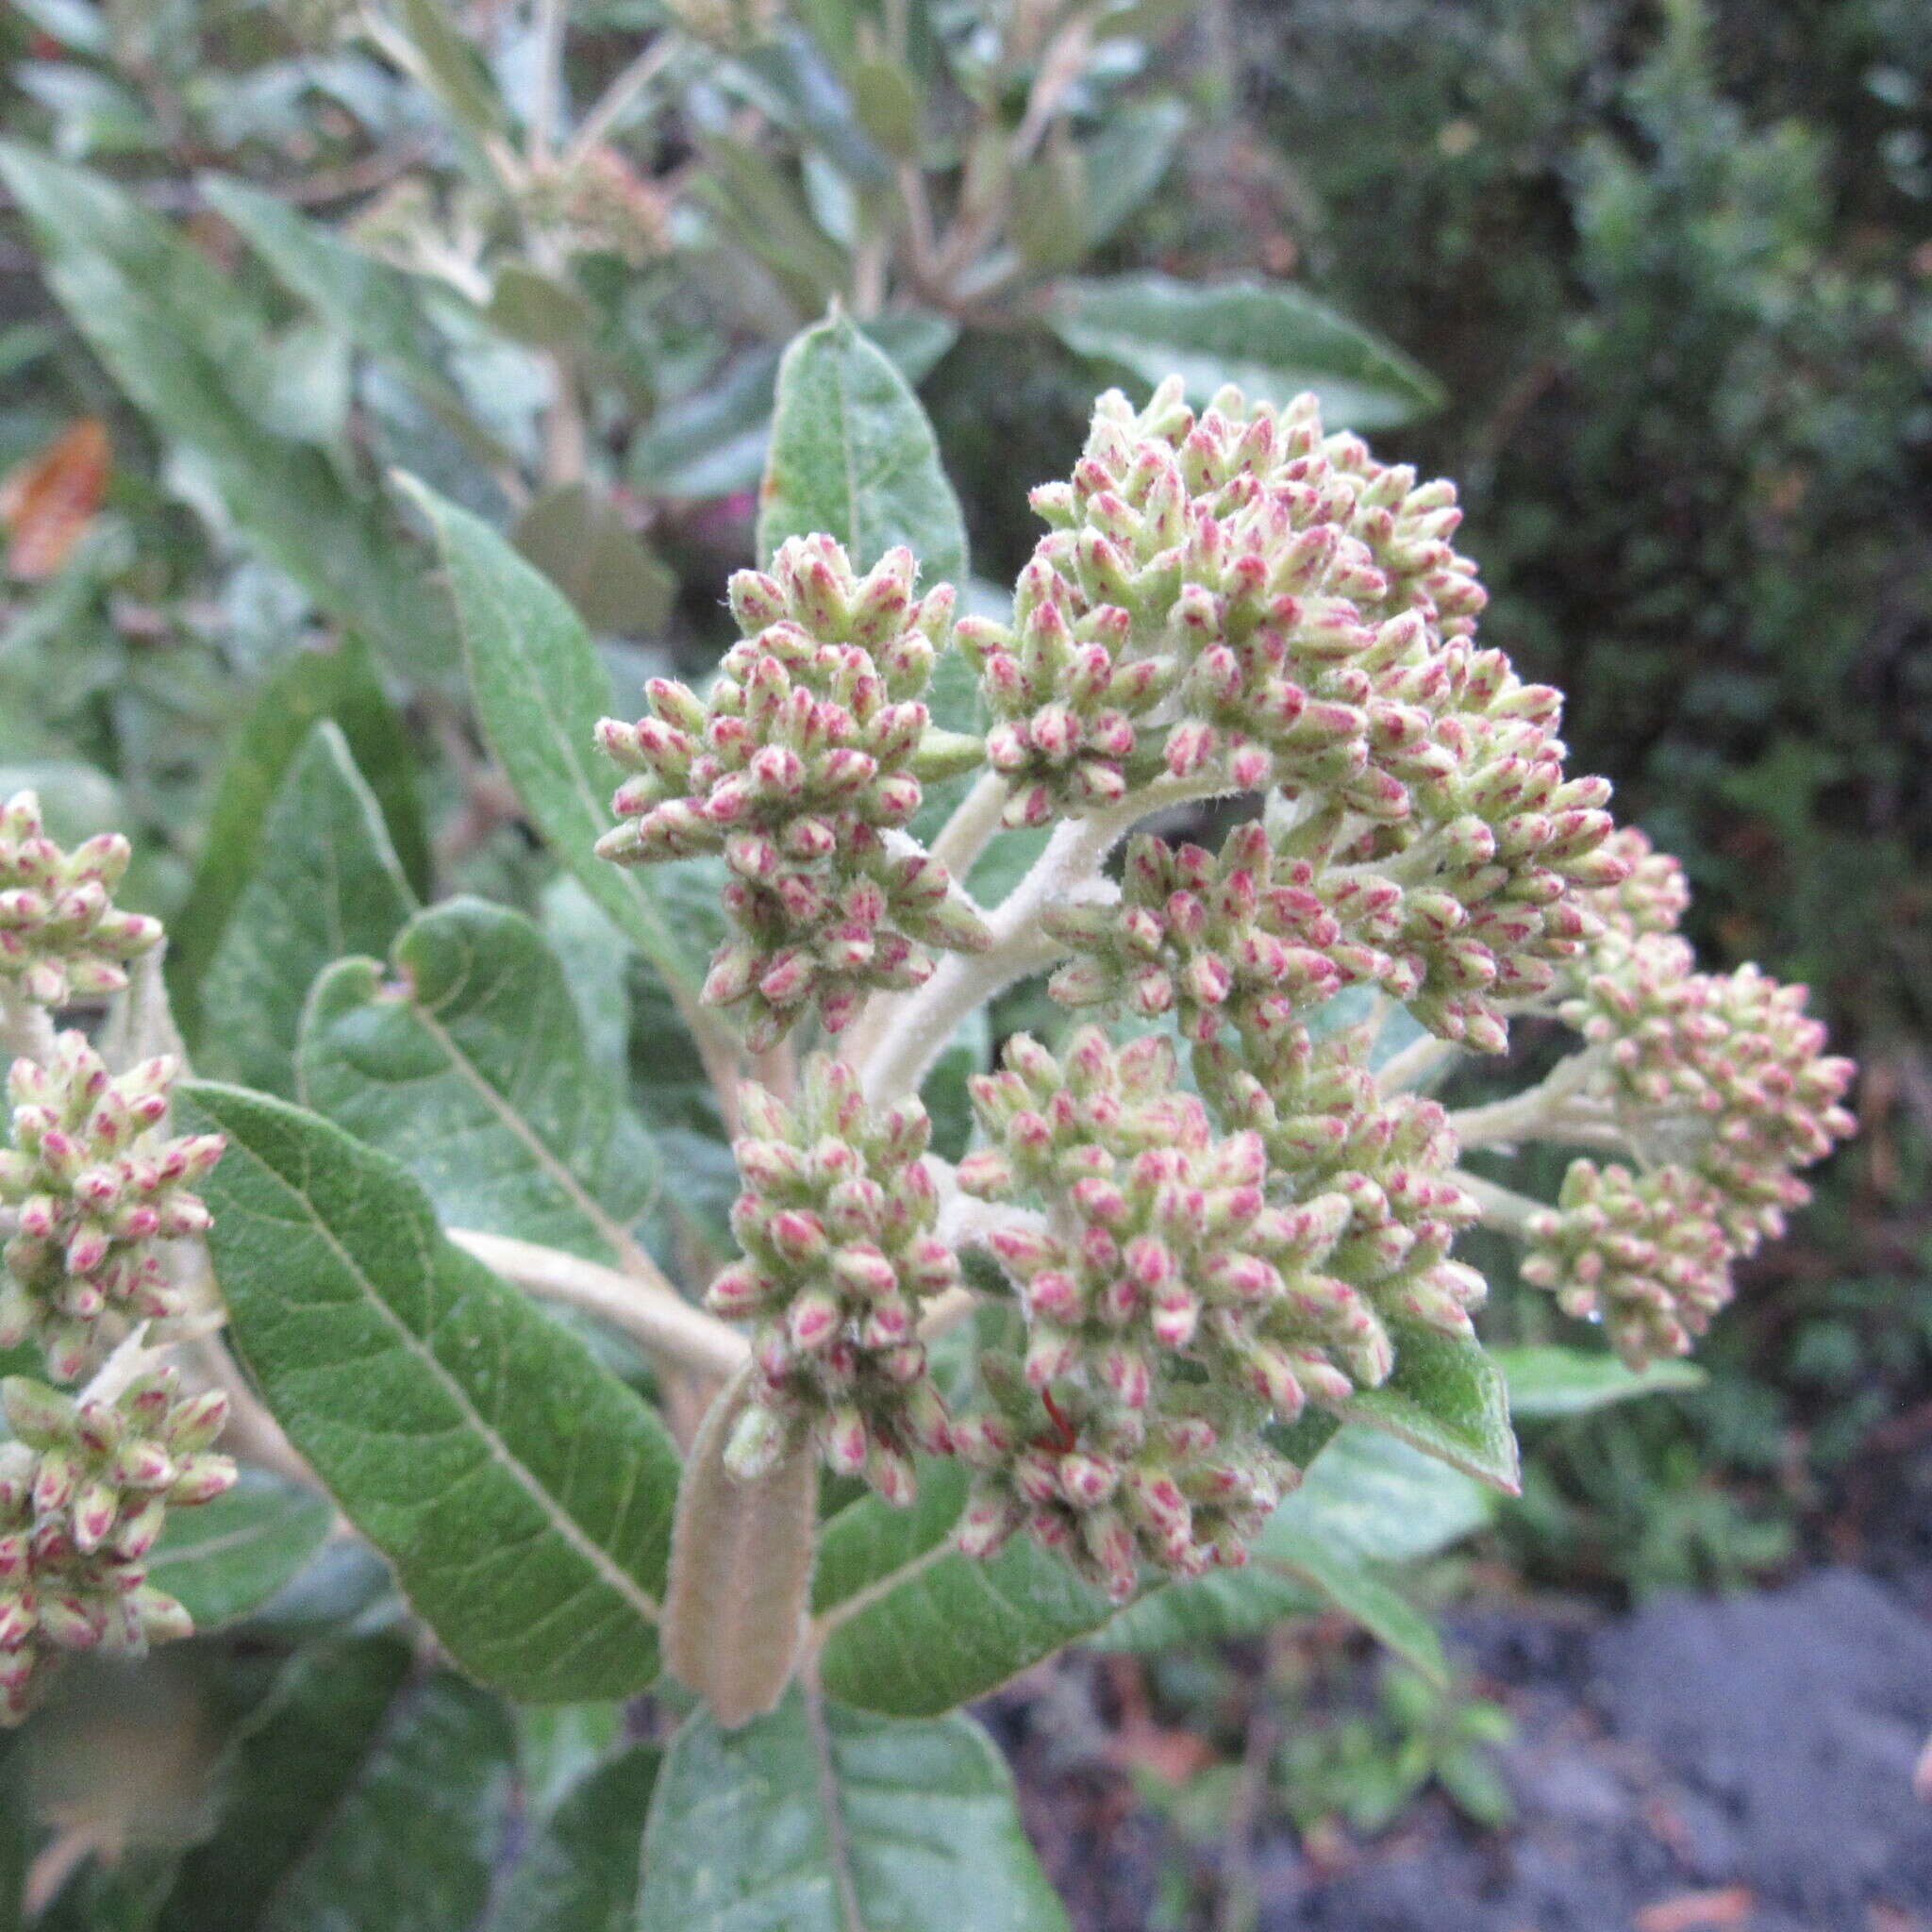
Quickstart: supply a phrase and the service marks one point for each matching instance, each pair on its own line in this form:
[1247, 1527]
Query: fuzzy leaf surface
[582, 1873]
[540, 689]
[1448, 1398]
[1271, 338]
[328, 883]
[358, 1795]
[853, 456]
[523, 1493]
[819, 1819]
[338, 682]
[229, 1557]
[466, 1060]
[1545, 1383]
[913, 1629]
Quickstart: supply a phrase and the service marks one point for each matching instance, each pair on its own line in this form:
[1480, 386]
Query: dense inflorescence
[1721, 1084]
[1159, 1243]
[1185, 1490]
[84, 1489]
[1236, 599]
[836, 1222]
[802, 766]
[94, 1192]
[62, 936]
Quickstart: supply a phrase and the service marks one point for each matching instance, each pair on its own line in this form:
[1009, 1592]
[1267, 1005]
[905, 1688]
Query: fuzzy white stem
[916, 1028]
[1502, 1207]
[131, 1359]
[27, 1030]
[972, 826]
[1559, 1108]
[658, 1316]
[617, 98]
[1414, 1063]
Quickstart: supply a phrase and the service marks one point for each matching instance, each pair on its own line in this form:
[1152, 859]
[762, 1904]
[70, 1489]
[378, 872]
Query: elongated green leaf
[466, 1061]
[523, 1493]
[713, 441]
[914, 1629]
[357, 1795]
[1273, 340]
[370, 302]
[178, 336]
[1388, 1616]
[233, 1555]
[823, 1820]
[1548, 1382]
[540, 689]
[853, 456]
[585, 545]
[1379, 1500]
[1446, 1397]
[1127, 160]
[582, 1873]
[455, 73]
[1367, 1499]
[327, 884]
[339, 682]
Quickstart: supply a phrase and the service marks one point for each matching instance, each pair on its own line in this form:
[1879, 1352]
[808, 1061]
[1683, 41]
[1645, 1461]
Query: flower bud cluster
[836, 1222]
[1331, 1132]
[801, 767]
[61, 934]
[93, 1191]
[1722, 1082]
[1645, 1254]
[1238, 600]
[1184, 1491]
[1722, 1073]
[1652, 897]
[1161, 1242]
[84, 1492]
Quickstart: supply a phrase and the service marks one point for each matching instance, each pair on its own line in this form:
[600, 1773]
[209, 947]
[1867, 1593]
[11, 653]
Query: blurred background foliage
[1651, 279]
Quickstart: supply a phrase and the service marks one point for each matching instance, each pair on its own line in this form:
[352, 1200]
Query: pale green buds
[61, 934]
[802, 769]
[837, 1227]
[84, 1489]
[93, 1192]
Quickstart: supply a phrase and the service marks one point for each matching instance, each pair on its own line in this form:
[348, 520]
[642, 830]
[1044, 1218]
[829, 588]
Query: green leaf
[451, 68]
[181, 340]
[713, 441]
[340, 683]
[371, 302]
[540, 689]
[233, 1555]
[1548, 1382]
[543, 311]
[359, 1795]
[754, 202]
[328, 883]
[1447, 1397]
[854, 456]
[1388, 1616]
[582, 543]
[582, 1873]
[823, 1820]
[523, 1493]
[467, 1063]
[1367, 1499]
[1127, 160]
[912, 1627]
[1273, 340]
[1381, 1501]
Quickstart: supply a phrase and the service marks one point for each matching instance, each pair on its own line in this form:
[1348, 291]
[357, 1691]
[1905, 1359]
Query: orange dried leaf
[48, 501]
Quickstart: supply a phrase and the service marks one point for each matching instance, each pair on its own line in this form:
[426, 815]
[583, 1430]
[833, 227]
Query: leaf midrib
[600, 1560]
